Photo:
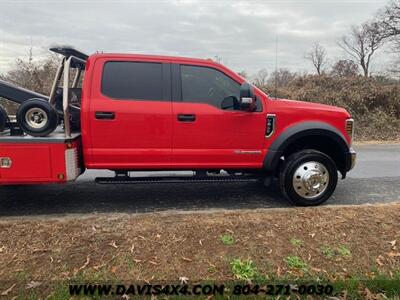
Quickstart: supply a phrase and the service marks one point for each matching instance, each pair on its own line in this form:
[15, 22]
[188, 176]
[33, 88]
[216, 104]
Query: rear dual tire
[37, 117]
[308, 178]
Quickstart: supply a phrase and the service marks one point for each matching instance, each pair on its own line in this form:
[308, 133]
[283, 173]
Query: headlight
[350, 129]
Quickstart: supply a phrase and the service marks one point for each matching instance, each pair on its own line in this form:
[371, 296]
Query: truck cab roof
[177, 59]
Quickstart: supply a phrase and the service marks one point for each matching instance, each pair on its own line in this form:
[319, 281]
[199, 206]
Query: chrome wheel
[310, 180]
[36, 117]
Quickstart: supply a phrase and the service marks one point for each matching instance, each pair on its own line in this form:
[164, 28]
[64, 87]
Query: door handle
[186, 118]
[105, 115]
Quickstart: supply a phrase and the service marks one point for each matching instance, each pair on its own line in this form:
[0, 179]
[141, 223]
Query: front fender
[296, 132]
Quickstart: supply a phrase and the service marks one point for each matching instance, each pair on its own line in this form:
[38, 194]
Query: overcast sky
[242, 33]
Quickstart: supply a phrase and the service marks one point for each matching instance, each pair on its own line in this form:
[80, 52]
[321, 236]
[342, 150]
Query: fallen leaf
[5, 293]
[94, 228]
[3, 248]
[183, 279]
[142, 237]
[112, 244]
[394, 254]
[393, 243]
[148, 280]
[316, 270]
[153, 262]
[132, 248]
[200, 242]
[32, 285]
[158, 235]
[137, 260]
[185, 258]
[379, 260]
[312, 234]
[368, 294]
[114, 269]
[125, 296]
[84, 265]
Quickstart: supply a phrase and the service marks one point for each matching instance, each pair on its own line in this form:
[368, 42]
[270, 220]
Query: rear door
[210, 131]
[130, 115]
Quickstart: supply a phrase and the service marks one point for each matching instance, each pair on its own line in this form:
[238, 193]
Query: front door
[209, 129]
[130, 115]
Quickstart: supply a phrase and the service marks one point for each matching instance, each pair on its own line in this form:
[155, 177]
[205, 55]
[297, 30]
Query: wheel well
[320, 143]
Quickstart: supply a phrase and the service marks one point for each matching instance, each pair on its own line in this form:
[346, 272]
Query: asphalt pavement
[375, 179]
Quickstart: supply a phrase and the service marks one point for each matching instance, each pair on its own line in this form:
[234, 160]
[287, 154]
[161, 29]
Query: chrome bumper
[352, 159]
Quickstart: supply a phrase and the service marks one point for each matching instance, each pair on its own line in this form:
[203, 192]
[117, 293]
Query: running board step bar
[174, 179]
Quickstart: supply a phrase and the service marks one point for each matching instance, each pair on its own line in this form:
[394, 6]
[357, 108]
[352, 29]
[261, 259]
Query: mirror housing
[230, 103]
[247, 97]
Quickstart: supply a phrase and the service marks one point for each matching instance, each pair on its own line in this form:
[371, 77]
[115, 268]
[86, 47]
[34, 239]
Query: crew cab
[130, 112]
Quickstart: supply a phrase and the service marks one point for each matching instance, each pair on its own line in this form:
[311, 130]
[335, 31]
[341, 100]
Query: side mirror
[230, 103]
[247, 97]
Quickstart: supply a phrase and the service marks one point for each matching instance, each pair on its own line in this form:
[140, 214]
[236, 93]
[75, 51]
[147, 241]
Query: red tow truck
[128, 112]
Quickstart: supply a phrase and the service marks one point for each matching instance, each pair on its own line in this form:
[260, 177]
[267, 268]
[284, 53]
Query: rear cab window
[130, 80]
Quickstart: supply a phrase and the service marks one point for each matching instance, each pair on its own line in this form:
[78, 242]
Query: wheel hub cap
[310, 180]
[36, 117]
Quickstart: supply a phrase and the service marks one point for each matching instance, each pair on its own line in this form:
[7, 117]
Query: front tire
[37, 117]
[308, 178]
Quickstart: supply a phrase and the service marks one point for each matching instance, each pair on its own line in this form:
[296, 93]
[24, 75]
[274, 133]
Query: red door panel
[217, 138]
[139, 136]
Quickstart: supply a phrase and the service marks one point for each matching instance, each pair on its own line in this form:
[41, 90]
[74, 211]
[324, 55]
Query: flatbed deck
[56, 137]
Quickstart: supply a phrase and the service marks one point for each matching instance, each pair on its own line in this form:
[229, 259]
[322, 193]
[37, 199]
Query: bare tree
[36, 75]
[281, 78]
[30, 73]
[243, 74]
[361, 44]
[318, 57]
[389, 20]
[345, 68]
[260, 79]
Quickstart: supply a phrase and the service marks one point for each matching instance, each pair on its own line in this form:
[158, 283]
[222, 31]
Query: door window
[207, 85]
[132, 80]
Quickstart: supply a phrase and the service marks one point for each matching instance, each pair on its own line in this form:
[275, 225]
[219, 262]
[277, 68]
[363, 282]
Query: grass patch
[344, 251]
[243, 269]
[295, 262]
[330, 252]
[227, 239]
[296, 242]
[327, 251]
